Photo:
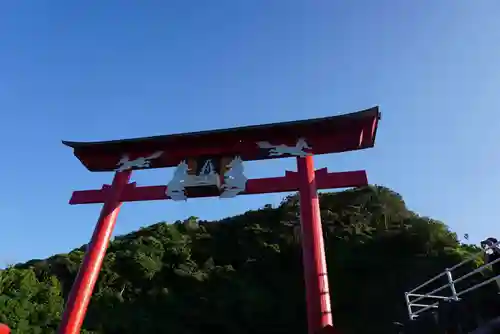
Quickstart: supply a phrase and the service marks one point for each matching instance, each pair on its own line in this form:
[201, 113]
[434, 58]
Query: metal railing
[417, 302]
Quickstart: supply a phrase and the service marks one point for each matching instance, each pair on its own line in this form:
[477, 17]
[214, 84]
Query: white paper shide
[142, 162]
[279, 150]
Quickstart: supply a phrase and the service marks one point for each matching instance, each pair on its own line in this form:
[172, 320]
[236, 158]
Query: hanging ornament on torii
[232, 183]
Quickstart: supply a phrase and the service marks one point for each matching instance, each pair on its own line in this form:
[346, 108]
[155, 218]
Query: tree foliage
[244, 274]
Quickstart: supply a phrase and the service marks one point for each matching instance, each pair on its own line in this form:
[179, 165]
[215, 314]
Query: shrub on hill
[244, 274]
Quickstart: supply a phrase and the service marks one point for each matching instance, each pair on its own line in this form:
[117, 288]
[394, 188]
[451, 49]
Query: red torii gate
[209, 163]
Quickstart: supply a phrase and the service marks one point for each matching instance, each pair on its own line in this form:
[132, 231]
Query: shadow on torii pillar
[210, 163]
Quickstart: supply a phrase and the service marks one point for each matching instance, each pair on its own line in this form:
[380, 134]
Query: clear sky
[97, 70]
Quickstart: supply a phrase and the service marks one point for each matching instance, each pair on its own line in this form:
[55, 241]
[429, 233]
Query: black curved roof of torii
[327, 135]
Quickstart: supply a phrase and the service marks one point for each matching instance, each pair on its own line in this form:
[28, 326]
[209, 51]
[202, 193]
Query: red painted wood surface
[319, 314]
[4, 329]
[325, 135]
[81, 291]
[287, 183]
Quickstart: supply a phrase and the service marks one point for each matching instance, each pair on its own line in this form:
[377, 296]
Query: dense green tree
[244, 274]
[30, 304]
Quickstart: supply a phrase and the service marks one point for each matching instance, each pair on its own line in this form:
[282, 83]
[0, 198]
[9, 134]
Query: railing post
[408, 305]
[451, 284]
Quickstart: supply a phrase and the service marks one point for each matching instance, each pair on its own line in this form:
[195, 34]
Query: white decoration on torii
[277, 150]
[176, 187]
[234, 179]
[142, 162]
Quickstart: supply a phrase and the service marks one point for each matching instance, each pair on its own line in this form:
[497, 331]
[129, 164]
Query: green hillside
[243, 275]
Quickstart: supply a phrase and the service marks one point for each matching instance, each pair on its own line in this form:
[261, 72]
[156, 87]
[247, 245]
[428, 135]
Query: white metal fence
[418, 301]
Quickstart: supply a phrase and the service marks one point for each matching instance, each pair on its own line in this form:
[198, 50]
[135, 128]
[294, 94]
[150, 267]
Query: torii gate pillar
[81, 292]
[319, 314]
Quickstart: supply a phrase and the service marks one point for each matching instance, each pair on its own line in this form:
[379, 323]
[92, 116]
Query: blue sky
[91, 70]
